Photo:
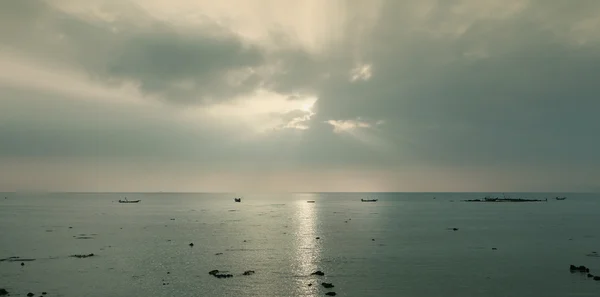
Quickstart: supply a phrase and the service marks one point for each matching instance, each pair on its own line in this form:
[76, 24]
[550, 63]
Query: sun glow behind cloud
[360, 130]
[261, 112]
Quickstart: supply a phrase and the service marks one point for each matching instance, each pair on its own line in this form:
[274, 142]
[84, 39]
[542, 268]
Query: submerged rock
[16, 259]
[223, 275]
[82, 256]
[192, 244]
[30, 294]
[3, 292]
[216, 274]
[597, 278]
[249, 272]
[327, 285]
[318, 272]
[330, 294]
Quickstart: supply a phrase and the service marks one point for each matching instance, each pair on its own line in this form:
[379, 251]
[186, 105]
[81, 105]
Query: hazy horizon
[275, 193]
[299, 96]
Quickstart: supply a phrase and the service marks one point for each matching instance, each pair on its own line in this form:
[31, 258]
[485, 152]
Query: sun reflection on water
[307, 247]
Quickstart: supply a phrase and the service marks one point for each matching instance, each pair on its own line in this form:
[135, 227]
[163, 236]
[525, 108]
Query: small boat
[237, 199]
[310, 201]
[368, 200]
[561, 198]
[128, 201]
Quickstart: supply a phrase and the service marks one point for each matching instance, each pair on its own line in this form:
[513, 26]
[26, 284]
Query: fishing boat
[128, 201]
[237, 199]
[561, 198]
[368, 200]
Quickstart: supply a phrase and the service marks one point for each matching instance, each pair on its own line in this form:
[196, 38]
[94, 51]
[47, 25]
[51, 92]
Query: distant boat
[368, 200]
[310, 201]
[561, 198]
[237, 199]
[128, 201]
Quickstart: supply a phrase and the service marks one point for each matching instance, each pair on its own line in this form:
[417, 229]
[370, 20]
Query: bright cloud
[340, 126]
[311, 25]
[362, 72]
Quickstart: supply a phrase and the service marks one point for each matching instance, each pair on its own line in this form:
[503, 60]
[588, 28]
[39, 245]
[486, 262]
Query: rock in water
[579, 268]
[3, 292]
[327, 285]
[318, 272]
[330, 294]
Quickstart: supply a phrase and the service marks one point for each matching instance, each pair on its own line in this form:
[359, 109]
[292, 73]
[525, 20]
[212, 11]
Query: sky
[300, 96]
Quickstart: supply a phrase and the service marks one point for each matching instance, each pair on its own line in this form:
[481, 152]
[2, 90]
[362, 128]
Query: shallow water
[398, 246]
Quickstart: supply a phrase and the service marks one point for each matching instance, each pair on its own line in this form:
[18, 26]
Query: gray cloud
[180, 66]
[529, 100]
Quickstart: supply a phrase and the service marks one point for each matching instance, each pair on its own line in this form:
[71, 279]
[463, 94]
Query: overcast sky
[311, 95]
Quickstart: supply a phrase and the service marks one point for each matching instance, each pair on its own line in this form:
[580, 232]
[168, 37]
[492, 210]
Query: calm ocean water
[398, 246]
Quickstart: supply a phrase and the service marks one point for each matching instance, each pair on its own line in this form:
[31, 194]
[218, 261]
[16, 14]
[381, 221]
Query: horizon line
[282, 192]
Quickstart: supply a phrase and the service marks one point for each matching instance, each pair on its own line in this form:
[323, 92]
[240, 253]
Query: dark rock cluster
[249, 272]
[583, 269]
[220, 274]
[324, 284]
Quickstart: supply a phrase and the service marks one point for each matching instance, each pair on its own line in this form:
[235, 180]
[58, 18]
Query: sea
[404, 244]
